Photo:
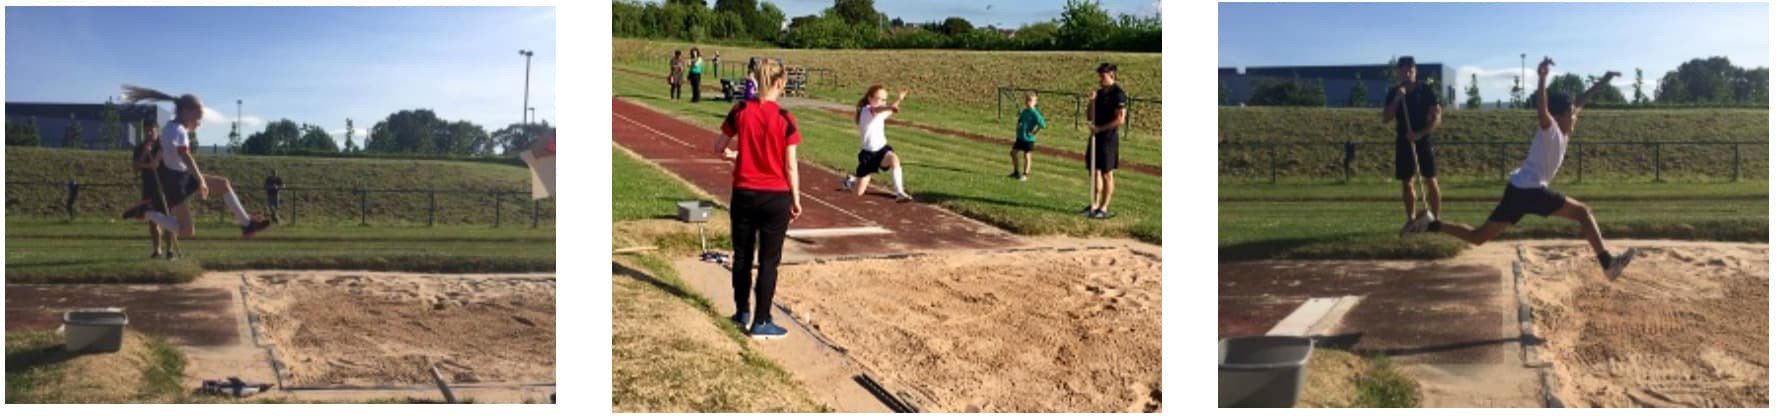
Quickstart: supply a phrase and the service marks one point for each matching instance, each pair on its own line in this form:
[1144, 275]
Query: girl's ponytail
[181, 104]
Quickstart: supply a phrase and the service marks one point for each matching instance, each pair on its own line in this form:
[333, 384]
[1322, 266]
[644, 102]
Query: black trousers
[696, 87]
[760, 219]
[675, 88]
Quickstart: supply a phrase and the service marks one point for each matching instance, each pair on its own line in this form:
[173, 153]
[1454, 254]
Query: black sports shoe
[254, 227]
[136, 212]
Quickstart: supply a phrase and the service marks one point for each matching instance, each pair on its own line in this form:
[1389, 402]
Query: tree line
[1699, 82]
[855, 24]
[417, 132]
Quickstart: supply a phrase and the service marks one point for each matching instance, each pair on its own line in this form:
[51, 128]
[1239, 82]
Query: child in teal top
[1030, 122]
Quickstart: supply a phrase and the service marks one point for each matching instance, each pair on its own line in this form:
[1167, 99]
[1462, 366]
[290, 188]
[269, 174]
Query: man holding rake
[1413, 109]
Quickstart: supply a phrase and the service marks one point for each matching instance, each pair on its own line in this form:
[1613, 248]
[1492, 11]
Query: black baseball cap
[1406, 61]
[1106, 67]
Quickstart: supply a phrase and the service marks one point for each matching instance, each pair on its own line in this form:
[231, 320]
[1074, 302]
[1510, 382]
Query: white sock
[898, 188]
[240, 212]
[167, 222]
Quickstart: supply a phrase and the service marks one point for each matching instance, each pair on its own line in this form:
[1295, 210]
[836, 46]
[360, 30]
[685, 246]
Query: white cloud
[217, 118]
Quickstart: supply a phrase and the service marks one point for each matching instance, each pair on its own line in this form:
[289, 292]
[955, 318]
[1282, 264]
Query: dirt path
[833, 223]
[1687, 325]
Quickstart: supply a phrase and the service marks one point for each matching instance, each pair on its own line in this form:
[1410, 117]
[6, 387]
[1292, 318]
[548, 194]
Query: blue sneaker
[767, 330]
[741, 320]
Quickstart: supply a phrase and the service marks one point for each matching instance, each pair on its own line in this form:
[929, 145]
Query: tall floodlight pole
[526, 109]
[533, 116]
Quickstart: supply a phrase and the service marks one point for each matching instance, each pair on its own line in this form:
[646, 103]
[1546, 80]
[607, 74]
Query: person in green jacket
[1030, 122]
[696, 75]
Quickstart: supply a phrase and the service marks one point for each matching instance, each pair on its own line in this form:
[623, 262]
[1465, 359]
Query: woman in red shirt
[767, 195]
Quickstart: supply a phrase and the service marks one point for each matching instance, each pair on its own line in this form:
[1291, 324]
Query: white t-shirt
[1546, 152]
[870, 129]
[173, 137]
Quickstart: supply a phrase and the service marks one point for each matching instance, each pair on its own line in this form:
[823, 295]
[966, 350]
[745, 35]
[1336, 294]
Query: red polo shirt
[763, 133]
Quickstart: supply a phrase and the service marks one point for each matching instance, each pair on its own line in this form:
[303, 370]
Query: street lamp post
[526, 109]
[533, 116]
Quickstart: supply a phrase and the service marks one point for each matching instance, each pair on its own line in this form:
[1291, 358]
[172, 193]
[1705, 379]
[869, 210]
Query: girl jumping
[875, 154]
[179, 175]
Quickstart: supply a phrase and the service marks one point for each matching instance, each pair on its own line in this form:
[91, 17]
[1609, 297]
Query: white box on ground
[93, 330]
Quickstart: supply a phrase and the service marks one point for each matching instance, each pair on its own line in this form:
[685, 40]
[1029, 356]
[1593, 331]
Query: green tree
[954, 26]
[1517, 91]
[111, 126]
[1084, 25]
[516, 137]
[316, 139]
[72, 137]
[857, 12]
[1639, 97]
[277, 137]
[1222, 100]
[1290, 92]
[1474, 92]
[21, 134]
[767, 22]
[692, 3]
[350, 146]
[1359, 93]
[1040, 35]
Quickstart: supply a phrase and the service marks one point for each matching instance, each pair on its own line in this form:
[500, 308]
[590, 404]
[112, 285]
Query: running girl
[767, 195]
[876, 155]
[178, 170]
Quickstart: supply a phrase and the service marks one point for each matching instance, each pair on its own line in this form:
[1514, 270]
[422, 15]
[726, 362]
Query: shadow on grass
[675, 290]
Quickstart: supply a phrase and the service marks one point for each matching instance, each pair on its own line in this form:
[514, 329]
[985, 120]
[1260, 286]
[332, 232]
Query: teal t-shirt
[1029, 120]
[697, 66]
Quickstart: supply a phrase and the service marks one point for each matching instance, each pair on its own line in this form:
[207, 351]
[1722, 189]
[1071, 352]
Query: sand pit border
[1529, 342]
[277, 364]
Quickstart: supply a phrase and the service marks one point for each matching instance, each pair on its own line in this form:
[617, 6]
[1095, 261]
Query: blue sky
[1004, 13]
[1485, 39]
[314, 65]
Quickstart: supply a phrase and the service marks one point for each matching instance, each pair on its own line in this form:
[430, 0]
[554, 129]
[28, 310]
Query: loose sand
[1028, 331]
[363, 328]
[1686, 326]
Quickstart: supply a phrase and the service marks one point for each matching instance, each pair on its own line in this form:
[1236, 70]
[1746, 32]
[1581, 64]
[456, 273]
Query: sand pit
[1686, 326]
[1028, 331]
[369, 329]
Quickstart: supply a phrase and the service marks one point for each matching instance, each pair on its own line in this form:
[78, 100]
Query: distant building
[1336, 80]
[52, 121]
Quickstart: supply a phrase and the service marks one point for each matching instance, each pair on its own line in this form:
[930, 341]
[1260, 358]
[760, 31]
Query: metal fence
[300, 205]
[1012, 98]
[1658, 161]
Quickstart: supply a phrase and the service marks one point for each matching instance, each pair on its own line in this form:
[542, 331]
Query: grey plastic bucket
[93, 330]
[693, 211]
[1265, 371]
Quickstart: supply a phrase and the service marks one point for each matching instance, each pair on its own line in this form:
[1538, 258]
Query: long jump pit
[1686, 325]
[372, 331]
[1028, 330]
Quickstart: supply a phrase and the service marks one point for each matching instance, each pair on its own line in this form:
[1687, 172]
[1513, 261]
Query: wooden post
[438, 378]
[496, 209]
[431, 207]
[535, 207]
[1735, 162]
[1658, 162]
[363, 207]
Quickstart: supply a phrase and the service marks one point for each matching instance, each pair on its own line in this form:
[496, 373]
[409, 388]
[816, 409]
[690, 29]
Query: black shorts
[1106, 155]
[1520, 201]
[149, 188]
[868, 163]
[177, 187]
[1427, 161]
[1023, 146]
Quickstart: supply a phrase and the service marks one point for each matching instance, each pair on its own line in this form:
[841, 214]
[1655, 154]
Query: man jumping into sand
[1528, 191]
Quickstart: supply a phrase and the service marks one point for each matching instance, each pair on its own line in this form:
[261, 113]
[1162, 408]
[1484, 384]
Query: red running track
[833, 223]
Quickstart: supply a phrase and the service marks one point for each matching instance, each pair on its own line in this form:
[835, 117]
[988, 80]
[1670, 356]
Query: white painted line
[838, 232]
[1314, 316]
[651, 129]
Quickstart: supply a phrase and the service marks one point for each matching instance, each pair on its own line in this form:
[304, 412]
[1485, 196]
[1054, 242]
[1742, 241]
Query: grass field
[35, 178]
[1311, 220]
[48, 251]
[1249, 136]
[953, 89]
[964, 176]
[39, 370]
